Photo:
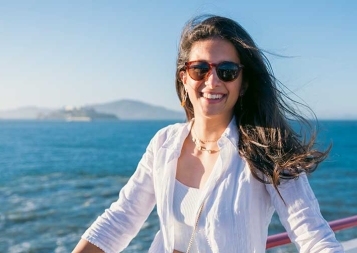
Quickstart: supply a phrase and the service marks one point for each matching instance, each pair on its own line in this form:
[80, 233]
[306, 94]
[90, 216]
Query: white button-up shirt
[237, 209]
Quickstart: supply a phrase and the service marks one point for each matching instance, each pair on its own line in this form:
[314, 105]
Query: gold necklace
[198, 142]
[198, 146]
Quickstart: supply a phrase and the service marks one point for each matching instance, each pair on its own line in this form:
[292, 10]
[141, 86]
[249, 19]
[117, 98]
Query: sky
[57, 53]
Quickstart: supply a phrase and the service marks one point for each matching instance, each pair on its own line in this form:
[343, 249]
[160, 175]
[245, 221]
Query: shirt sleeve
[118, 225]
[301, 217]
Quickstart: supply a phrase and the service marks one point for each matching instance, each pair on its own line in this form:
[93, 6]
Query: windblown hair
[267, 140]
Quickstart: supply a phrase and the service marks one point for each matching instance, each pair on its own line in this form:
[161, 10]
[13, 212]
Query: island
[72, 113]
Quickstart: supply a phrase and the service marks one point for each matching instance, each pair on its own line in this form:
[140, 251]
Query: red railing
[282, 239]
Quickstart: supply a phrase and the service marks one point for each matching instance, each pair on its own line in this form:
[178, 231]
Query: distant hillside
[135, 110]
[122, 109]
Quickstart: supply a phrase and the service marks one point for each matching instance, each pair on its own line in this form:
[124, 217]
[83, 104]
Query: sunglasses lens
[227, 71]
[198, 70]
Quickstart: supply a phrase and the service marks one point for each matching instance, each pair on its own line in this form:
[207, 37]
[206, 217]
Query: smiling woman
[213, 93]
[217, 179]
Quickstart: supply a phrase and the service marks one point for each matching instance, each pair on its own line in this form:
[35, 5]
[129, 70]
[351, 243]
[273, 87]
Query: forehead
[213, 50]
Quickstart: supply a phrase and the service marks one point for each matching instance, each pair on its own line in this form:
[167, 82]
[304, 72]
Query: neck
[210, 128]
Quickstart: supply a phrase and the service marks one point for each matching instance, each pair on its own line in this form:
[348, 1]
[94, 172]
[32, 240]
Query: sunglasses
[226, 71]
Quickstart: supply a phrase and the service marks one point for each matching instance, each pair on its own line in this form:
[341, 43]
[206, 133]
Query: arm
[116, 227]
[84, 246]
[302, 218]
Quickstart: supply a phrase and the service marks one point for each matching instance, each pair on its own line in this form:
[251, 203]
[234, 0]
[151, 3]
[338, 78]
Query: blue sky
[56, 53]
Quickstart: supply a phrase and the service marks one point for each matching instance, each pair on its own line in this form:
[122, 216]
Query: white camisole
[184, 208]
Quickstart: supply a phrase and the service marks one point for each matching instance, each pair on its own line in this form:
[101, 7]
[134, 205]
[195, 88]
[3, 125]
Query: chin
[215, 114]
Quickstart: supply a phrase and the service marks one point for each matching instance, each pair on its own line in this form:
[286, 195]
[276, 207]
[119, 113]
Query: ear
[183, 77]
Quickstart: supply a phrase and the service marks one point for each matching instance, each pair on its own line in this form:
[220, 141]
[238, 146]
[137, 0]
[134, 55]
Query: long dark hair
[264, 114]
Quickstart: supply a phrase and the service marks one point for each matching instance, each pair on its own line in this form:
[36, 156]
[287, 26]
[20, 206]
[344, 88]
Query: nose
[212, 79]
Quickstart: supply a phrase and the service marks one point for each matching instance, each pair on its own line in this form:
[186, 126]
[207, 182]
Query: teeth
[212, 96]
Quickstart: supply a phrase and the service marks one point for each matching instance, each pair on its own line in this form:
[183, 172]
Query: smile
[212, 96]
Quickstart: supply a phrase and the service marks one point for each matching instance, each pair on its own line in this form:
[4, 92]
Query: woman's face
[212, 97]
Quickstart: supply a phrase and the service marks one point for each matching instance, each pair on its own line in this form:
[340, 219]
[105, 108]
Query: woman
[217, 179]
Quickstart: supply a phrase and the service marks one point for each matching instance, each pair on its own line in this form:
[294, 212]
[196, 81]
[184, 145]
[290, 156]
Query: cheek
[193, 85]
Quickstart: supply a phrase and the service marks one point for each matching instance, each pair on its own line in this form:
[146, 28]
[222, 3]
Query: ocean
[57, 177]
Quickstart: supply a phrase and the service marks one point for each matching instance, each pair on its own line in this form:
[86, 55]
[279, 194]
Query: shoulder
[170, 132]
[171, 129]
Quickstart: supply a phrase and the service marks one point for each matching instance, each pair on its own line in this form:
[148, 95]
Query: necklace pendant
[198, 146]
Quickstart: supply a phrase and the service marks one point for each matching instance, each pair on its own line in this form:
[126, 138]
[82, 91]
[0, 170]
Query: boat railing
[283, 238]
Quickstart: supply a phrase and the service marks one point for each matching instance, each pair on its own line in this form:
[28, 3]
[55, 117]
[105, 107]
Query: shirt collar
[176, 139]
[231, 133]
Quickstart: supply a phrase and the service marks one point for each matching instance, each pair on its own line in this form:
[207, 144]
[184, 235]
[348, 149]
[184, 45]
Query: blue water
[57, 177]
